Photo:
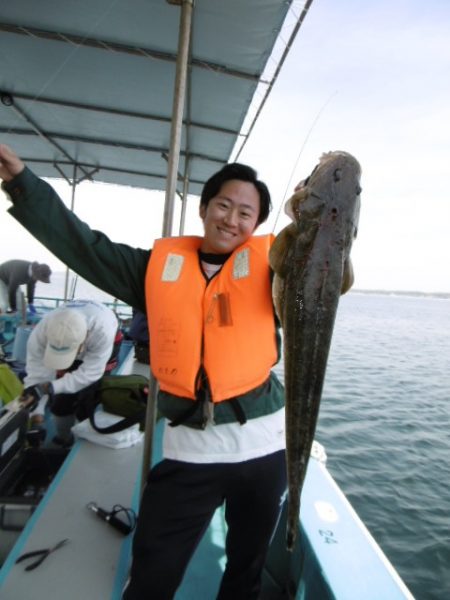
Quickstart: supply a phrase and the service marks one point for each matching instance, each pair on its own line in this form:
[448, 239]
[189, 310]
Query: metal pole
[72, 204]
[184, 198]
[174, 157]
[150, 423]
[177, 113]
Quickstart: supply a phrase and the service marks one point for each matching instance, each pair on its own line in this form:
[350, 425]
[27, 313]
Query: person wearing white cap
[67, 353]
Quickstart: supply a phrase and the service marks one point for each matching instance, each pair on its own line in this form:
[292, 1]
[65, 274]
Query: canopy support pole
[184, 198]
[177, 113]
[172, 177]
[73, 186]
[150, 423]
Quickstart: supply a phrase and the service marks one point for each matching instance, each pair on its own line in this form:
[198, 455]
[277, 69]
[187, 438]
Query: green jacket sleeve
[118, 269]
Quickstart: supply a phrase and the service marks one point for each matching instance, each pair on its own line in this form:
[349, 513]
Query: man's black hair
[242, 173]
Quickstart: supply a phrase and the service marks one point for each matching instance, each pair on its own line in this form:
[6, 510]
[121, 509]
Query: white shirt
[102, 327]
[227, 443]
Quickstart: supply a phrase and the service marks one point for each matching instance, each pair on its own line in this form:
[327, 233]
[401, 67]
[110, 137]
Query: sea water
[385, 424]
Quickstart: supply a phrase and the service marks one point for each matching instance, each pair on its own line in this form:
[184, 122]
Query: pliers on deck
[41, 553]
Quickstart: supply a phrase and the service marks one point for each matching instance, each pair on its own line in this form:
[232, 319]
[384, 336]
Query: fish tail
[290, 539]
[293, 520]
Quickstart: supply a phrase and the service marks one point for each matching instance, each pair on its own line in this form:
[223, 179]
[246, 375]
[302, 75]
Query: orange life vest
[225, 325]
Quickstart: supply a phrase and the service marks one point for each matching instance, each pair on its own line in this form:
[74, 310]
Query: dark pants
[76, 404]
[178, 503]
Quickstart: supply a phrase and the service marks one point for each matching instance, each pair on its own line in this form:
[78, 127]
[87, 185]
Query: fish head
[336, 181]
[311, 195]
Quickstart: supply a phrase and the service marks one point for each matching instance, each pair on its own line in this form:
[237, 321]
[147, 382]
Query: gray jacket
[15, 273]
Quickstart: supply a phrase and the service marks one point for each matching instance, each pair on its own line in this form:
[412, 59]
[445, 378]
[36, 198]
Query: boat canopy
[92, 84]
[155, 94]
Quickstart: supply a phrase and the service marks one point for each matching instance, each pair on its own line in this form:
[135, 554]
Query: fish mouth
[288, 208]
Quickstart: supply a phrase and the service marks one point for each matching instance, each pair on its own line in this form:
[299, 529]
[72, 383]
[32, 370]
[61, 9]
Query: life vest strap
[238, 411]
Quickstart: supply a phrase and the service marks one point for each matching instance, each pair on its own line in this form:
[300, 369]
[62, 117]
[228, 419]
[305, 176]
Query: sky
[368, 77]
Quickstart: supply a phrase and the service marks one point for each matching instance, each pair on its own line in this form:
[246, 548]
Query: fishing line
[317, 117]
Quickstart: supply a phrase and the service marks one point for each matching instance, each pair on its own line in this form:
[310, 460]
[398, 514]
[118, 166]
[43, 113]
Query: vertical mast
[177, 111]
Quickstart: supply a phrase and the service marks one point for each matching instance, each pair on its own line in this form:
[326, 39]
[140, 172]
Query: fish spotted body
[311, 262]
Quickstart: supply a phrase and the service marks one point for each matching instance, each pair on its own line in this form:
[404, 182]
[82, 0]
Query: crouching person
[67, 353]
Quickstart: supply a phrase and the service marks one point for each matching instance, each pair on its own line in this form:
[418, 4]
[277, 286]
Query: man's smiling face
[230, 217]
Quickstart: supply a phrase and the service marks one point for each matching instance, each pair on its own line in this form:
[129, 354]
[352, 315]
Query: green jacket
[119, 270]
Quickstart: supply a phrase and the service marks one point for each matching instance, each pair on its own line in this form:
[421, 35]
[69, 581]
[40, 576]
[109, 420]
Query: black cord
[129, 512]
[112, 519]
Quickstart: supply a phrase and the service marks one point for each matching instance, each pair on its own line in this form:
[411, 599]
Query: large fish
[311, 261]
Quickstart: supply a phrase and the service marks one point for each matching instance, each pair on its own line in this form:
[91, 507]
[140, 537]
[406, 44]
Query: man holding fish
[213, 343]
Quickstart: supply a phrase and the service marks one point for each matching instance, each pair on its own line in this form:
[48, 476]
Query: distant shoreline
[84, 287]
[442, 295]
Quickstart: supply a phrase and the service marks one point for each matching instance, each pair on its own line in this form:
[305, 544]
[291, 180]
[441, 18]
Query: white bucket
[19, 351]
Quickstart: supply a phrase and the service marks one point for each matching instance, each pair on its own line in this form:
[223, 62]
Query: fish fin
[280, 248]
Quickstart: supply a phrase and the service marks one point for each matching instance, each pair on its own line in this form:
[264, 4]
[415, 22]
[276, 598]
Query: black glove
[32, 394]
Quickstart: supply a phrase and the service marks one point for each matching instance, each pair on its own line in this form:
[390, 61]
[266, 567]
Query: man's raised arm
[10, 163]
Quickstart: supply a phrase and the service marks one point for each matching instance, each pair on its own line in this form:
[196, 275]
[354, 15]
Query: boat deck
[334, 546]
[94, 563]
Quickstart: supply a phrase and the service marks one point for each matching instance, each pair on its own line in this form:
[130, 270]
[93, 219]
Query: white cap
[66, 331]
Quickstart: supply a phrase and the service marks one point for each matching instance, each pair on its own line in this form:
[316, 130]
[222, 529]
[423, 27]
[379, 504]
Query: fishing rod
[305, 141]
